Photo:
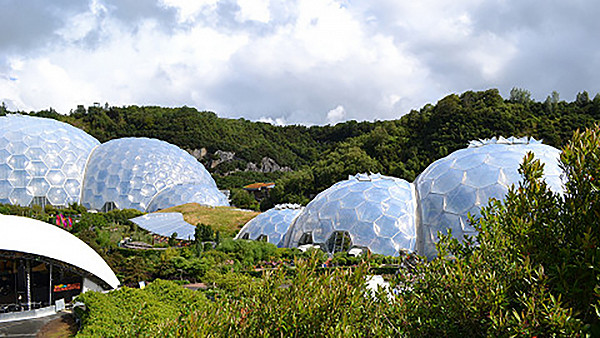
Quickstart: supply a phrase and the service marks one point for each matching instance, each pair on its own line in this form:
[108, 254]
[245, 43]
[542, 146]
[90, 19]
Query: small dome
[188, 193]
[465, 180]
[373, 211]
[271, 225]
[41, 161]
[130, 172]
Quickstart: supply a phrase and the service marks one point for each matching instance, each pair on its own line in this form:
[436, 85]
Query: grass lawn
[226, 220]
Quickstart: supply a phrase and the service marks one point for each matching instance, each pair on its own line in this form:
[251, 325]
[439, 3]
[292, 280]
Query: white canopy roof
[36, 237]
[165, 224]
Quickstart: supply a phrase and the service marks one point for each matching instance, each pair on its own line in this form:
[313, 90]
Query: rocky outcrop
[267, 165]
[198, 153]
[222, 157]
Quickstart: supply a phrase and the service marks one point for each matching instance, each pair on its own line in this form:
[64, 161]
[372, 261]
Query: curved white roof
[165, 224]
[36, 237]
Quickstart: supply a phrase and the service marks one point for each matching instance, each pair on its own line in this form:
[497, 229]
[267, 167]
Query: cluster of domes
[44, 161]
[387, 215]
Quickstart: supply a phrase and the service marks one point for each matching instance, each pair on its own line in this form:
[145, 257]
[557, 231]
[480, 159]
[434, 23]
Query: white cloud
[336, 115]
[254, 10]
[291, 61]
[279, 121]
[187, 10]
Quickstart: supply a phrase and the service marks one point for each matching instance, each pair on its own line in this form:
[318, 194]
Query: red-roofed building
[259, 189]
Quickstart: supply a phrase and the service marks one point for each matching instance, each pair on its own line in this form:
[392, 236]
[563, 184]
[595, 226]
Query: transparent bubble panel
[377, 211]
[464, 181]
[273, 223]
[42, 158]
[188, 193]
[130, 172]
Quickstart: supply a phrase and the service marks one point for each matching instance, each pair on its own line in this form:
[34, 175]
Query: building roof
[41, 159]
[35, 237]
[166, 224]
[273, 223]
[131, 172]
[378, 212]
[259, 186]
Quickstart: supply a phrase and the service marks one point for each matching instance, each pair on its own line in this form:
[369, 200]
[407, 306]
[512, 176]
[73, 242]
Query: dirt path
[63, 326]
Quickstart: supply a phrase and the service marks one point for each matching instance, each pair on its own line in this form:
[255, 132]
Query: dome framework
[130, 172]
[461, 183]
[47, 162]
[271, 225]
[370, 211]
[42, 161]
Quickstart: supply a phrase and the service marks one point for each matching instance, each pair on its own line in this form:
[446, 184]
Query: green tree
[203, 233]
[520, 95]
[243, 199]
[582, 98]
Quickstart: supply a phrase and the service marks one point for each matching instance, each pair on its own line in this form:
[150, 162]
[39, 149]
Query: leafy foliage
[531, 271]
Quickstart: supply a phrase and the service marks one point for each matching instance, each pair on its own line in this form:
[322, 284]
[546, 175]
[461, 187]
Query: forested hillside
[321, 155]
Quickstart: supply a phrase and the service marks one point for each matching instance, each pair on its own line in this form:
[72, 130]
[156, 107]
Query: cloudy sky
[292, 61]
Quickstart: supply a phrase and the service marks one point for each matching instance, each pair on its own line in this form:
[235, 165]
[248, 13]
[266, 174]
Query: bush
[534, 270]
[133, 312]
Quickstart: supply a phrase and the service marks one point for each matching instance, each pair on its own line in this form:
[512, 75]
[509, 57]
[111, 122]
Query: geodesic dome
[373, 211]
[271, 225]
[130, 172]
[465, 180]
[188, 193]
[41, 161]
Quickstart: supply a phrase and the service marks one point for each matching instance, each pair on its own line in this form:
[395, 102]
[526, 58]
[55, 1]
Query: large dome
[188, 193]
[373, 211]
[130, 172]
[41, 161]
[465, 180]
[271, 225]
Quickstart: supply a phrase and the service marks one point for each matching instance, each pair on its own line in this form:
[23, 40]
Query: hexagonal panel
[141, 169]
[447, 181]
[473, 175]
[188, 193]
[373, 209]
[29, 146]
[273, 223]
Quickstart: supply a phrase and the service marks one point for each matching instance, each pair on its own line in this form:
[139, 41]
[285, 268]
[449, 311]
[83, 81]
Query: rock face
[198, 153]
[267, 165]
[222, 157]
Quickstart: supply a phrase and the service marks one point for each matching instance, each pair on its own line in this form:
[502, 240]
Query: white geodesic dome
[465, 180]
[41, 161]
[130, 172]
[188, 193]
[375, 211]
[271, 225]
